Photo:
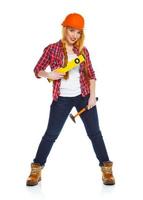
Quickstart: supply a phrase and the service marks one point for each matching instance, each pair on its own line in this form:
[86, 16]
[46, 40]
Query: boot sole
[109, 183]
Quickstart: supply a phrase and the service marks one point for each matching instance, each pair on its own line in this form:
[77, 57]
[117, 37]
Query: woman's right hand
[53, 75]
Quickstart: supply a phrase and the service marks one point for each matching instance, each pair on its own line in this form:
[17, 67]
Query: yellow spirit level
[72, 64]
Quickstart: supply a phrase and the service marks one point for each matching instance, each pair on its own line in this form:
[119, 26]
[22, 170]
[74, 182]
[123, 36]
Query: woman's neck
[69, 48]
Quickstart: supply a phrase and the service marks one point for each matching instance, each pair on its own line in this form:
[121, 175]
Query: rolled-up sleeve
[90, 69]
[43, 62]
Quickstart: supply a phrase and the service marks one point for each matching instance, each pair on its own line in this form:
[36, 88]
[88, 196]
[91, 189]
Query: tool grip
[86, 108]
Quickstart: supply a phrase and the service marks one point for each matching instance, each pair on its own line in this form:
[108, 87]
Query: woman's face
[72, 35]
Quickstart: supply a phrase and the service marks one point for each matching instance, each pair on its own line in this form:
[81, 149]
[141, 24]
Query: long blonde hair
[78, 44]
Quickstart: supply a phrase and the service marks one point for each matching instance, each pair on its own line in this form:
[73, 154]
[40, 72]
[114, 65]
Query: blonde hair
[78, 44]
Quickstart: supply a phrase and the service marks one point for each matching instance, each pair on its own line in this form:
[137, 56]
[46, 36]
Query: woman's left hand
[91, 102]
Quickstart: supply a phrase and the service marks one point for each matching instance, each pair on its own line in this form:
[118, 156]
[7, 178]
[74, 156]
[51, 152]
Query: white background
[114, 37]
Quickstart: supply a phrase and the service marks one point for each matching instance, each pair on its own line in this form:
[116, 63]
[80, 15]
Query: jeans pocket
[62, 102]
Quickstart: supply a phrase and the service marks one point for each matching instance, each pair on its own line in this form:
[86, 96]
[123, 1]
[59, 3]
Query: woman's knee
[95, 135]
[51, 136]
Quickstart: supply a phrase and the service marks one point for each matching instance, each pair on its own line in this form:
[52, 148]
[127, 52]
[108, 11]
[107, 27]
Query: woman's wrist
[43, 74]
[92, 95]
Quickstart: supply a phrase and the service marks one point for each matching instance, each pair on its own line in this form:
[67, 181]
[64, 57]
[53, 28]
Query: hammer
[80, 112]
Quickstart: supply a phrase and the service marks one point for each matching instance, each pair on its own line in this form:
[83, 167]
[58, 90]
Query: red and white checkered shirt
[53, 56]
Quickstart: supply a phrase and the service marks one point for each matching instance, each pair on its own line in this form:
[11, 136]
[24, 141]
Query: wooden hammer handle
[81, 111]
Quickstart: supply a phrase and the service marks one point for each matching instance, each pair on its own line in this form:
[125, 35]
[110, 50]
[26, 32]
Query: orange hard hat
[74, 20]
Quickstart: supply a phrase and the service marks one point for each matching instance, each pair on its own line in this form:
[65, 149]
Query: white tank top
[71, 86]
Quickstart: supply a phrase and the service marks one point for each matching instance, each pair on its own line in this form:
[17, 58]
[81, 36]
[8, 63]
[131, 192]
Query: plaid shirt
[53, 56]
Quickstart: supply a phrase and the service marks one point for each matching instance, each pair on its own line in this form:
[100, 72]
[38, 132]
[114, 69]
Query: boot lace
[107, 170]
[35, 170]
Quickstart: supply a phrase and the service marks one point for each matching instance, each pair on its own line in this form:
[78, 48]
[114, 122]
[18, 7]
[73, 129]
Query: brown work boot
[35, 175]
[107, 175]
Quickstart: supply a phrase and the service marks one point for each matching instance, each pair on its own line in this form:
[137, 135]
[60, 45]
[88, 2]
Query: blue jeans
[59, 111]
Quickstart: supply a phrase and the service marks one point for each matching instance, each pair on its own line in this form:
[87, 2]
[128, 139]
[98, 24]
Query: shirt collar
[75, 49]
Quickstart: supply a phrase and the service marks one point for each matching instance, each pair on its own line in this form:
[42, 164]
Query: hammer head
[73, 118]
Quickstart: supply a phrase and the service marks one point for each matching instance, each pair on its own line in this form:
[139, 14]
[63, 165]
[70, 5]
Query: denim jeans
[59, 112]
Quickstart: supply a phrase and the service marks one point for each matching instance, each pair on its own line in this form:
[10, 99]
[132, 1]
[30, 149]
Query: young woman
[73, 88]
